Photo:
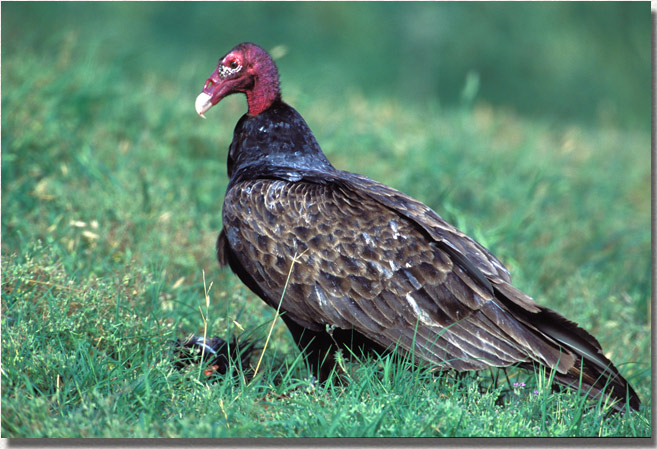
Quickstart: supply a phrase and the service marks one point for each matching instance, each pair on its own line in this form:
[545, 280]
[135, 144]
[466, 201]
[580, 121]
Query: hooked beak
[214, 91]
[203, 103]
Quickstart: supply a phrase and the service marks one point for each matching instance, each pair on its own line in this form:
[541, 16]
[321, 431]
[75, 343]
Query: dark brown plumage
[379, 269]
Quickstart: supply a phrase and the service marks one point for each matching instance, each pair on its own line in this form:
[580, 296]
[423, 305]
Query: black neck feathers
[276, 143]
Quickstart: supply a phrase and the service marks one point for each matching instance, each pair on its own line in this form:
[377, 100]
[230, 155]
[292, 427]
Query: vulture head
[248, 69]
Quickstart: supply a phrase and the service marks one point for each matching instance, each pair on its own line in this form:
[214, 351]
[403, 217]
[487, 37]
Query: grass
[111, 199]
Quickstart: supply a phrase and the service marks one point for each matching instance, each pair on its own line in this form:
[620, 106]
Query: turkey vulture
[374, 269]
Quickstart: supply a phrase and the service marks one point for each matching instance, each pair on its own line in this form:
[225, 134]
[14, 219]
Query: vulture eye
[229, 67]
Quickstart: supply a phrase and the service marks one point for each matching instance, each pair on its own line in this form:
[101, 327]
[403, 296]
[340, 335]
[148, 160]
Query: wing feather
[371, 259]
[362, 265]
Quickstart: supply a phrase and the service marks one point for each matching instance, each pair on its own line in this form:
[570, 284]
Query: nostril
[208, 83]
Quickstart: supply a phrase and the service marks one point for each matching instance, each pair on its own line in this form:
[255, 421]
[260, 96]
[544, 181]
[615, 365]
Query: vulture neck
[264, 93]
[276, 143]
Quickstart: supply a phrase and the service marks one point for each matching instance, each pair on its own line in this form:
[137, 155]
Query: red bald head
[248, 69]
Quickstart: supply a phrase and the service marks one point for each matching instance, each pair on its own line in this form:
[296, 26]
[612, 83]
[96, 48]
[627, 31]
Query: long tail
[591, 372]
[582, 365]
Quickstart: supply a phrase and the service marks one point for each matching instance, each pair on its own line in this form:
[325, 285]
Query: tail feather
[595, 372]
[589, 368]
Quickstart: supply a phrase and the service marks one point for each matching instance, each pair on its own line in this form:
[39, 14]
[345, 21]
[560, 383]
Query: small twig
[49, 284]
[271, 328]
[57, 394]
[205, 317]
[221, 404]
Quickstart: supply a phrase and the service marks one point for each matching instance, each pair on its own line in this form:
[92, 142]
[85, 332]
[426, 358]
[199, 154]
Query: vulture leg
[319, 347]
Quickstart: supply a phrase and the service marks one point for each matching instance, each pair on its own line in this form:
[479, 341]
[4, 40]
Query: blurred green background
[527, 125]
[567, 61]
